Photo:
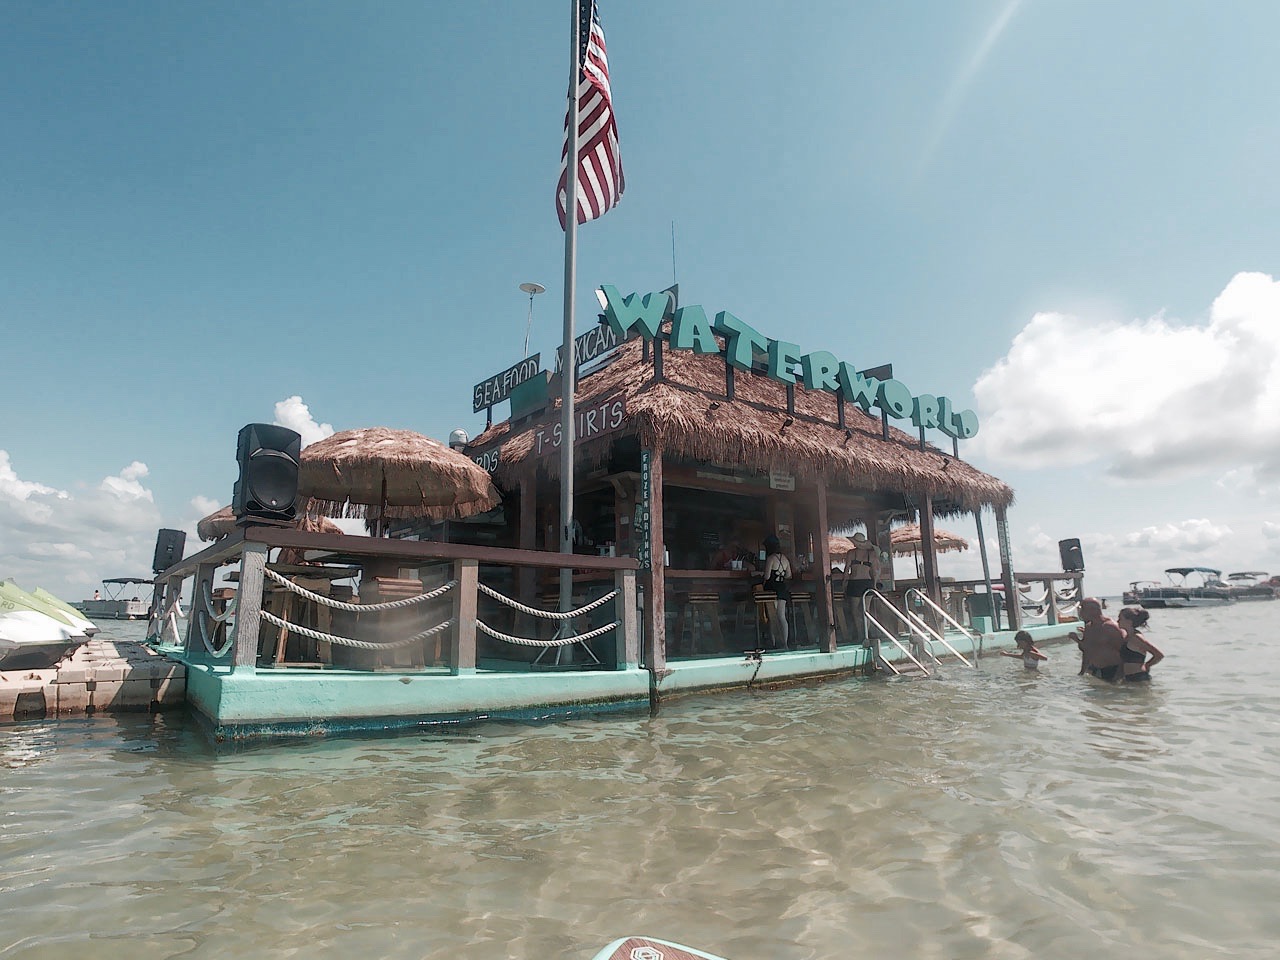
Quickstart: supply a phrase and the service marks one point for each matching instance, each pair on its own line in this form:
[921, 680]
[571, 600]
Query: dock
[100, 677]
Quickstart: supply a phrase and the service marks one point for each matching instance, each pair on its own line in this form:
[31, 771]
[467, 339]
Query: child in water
[1027, 652]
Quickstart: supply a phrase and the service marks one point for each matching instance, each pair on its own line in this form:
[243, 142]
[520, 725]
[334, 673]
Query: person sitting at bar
[777, 574]
[861, 570]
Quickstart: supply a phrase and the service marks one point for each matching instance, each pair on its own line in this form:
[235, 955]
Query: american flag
[599, 162]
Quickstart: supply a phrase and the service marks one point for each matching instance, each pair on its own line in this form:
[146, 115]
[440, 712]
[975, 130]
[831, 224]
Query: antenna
[532, 289]
[673, 252]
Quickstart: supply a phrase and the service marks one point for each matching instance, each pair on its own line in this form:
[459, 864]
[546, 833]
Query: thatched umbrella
[222, 523]
[838, 547]
[906, 540]
[381, 474]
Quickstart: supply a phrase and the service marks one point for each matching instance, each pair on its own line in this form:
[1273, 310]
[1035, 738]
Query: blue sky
[1060, 213]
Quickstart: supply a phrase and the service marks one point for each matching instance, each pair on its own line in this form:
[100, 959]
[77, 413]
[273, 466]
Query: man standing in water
[1100, 642]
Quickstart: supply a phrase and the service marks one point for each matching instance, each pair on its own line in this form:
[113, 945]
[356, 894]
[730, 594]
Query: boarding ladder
[920, 636]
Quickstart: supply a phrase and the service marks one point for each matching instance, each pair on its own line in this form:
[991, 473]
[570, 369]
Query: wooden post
[202, 586]
[155, 618]
[626, 634]
[462, 639]
[527, 577]
[928, 550]
[253, 560]
[655, 605]
[1012, 602]
[822, 560]
[1051, 597]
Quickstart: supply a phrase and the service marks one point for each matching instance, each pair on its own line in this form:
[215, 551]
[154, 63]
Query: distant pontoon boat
[117, 606]
[1206, 589]
[1251, 585]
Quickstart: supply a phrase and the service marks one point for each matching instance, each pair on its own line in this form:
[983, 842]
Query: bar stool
[701, 613]
[764, 618]
[801, 609]
[837, 606]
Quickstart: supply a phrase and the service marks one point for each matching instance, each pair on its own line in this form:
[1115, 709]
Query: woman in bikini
[777, 573]
[1136, 648]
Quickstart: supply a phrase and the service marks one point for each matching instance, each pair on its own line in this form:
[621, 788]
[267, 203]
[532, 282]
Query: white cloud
[1271, 530]
[126, 485]
[1146, 398]
[67, 544]
[1188, 536]
[11, 488]
[296, 415]
[205, 505]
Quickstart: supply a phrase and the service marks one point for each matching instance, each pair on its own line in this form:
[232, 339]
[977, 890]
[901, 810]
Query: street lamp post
[532, 289]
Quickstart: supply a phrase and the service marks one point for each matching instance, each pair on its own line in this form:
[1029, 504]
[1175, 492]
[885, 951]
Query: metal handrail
[925, 600]
[911, 627]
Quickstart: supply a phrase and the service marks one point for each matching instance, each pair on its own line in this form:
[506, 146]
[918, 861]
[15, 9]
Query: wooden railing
[457, 565]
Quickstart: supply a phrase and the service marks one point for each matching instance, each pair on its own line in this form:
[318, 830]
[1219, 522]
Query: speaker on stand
[169, 547]
[1072, 558]
[267, 490]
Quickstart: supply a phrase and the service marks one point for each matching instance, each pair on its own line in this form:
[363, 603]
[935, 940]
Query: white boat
[1251, 585]
[1205, 590]
[37, 629]
[116, 605]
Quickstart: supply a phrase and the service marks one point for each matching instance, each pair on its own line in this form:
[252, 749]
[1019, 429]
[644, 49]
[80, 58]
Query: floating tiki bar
[694, 441]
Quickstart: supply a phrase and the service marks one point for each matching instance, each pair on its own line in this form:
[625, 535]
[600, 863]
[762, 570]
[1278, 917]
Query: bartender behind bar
[733, 556]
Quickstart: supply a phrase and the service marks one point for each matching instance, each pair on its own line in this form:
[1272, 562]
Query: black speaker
[169, 547]
[1072, 558]
[268, 484]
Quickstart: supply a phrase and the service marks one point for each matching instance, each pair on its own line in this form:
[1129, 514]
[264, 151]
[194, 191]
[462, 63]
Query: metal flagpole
[568, 371]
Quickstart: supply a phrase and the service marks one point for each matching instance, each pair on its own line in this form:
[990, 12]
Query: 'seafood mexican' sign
[818, 370]
[592, 421]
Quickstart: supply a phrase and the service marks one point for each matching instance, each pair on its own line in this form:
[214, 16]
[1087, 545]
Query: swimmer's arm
[1038, 655]
[1010, 653]
[1156, 655]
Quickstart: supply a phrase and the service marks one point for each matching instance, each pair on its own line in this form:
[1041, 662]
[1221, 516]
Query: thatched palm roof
[687, 415]
[380, 473]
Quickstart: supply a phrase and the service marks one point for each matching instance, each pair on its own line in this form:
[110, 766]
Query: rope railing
[357, 607]
[348, 641]
[545, 614]
[556, 642]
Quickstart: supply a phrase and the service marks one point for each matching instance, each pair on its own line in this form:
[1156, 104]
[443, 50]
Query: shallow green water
[981, 814]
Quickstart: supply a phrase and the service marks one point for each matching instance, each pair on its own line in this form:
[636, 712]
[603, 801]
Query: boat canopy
[1183, 571]
[1248, 575]
[127, 580]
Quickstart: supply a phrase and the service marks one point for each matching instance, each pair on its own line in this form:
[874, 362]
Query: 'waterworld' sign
[817, 370]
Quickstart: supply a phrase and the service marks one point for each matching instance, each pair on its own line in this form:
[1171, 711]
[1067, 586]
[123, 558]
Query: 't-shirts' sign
[498, 387]
[591, 421]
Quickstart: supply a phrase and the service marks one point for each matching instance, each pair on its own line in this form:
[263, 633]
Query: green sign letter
[820, 370]
[783, 358]
[859, 389]
[623, 313]
[692, 331]
[894, 398]
[742, 341]
[925, 412]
